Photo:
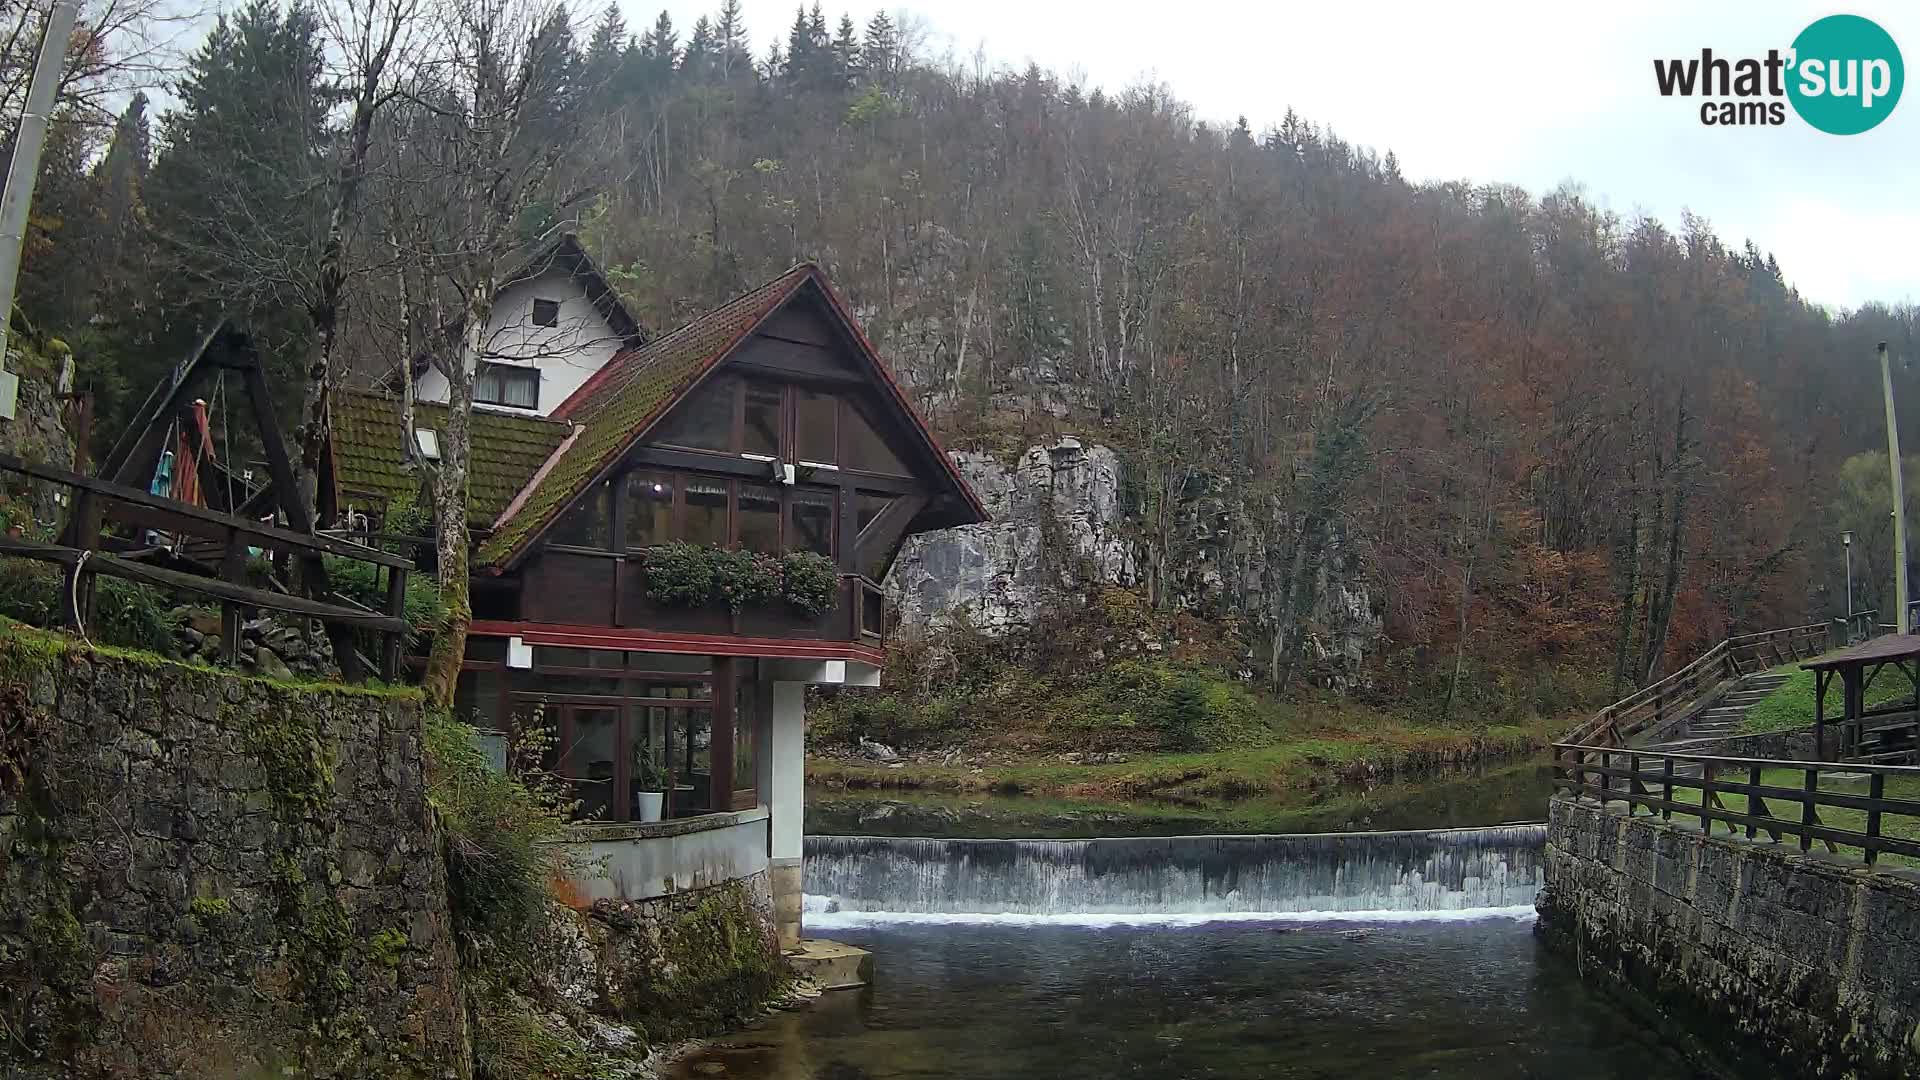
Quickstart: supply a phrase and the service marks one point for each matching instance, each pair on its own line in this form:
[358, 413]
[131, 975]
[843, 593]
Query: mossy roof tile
[368, 441]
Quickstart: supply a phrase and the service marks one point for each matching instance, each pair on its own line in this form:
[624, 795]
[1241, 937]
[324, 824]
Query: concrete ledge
[592, 832]
[831, 965]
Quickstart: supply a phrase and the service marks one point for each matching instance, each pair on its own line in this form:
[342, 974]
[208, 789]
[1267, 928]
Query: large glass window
[761, 434]
[706, 511]
[705, 420]
[812, 521]
[816, 426]
[760, 518]
[866, 450]
[868, 507]
[585, 522]
[746, 720]
[649, 508]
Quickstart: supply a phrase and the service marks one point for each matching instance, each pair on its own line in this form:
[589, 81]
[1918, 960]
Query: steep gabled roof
[369, 442]
[638, 386]
[564, 252]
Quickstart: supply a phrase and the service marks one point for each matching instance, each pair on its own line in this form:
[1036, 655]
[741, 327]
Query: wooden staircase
[1728, 713]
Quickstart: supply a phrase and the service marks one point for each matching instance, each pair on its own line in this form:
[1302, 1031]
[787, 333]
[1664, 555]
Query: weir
[1428, 871]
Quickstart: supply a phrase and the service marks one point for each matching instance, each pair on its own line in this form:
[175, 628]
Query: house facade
[666, 557]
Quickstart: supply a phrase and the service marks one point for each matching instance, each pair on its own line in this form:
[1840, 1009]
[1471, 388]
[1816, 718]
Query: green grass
[1287, 764]
[1791, 706]
[1834, 817]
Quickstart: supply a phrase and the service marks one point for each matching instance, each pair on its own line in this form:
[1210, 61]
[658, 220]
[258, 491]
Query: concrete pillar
[786, 799]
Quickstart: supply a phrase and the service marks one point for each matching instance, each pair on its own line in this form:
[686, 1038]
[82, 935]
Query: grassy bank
[1791, 704]
[1310, 763]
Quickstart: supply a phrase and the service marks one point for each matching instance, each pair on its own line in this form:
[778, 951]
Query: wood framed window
[793, 423]
[546, 313]
[511, 385]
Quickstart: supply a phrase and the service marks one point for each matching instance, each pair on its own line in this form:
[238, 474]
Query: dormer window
[507, 384]
[546, 313]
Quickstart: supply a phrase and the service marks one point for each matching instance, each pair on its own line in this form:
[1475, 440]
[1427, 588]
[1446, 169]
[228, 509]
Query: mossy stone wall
[1797, 964]
[203, 874]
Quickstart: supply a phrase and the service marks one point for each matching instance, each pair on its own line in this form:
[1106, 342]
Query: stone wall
[208, 875]
[1764, 960]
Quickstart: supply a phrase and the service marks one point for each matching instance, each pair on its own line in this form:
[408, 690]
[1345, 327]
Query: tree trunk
[450, 506]
[1466, 596]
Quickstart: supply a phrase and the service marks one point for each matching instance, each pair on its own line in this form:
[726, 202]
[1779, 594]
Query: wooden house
[666, 556]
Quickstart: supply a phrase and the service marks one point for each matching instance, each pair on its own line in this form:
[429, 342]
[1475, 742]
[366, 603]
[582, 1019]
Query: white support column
[786, 798]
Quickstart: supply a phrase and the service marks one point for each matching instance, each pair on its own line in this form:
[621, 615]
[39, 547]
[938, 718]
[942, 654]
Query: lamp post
[1899, 502]
[1846, 545]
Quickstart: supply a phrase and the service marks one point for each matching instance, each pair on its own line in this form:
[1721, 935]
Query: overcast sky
[1532, 93]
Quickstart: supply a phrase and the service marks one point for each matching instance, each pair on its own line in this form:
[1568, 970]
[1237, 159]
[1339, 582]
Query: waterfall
[1179, 878]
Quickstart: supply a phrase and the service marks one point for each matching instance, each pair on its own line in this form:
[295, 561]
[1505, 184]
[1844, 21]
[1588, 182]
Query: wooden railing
[1680, 695]
[1812, 804]
[95, 502]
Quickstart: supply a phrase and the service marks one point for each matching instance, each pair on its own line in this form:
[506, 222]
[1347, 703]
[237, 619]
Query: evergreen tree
[846, 51]
[604, 47]
[730, 39]
[659, 49]
[879, 56]
[699, 53]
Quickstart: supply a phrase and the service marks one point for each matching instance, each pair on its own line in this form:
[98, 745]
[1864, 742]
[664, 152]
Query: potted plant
[650, 784]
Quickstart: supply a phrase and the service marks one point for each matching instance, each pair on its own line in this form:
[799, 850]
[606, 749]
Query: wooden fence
[83, 556]
[1819, 804]
[1680, 695]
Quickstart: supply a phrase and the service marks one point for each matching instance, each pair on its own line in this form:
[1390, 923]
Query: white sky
[1531, 93]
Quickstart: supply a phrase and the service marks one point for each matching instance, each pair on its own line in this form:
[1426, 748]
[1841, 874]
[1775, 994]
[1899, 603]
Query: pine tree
[659, 49]
[699, 53]
[846, 51]
[730, 40]
[879, 56]
[799, 61]
[609, 37]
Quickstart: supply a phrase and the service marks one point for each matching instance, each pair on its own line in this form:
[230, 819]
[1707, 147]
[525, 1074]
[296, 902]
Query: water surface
[1475, 999]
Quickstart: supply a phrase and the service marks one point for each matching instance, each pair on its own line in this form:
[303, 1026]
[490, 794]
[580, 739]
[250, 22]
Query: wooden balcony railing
[1855, 811]
[96, 502]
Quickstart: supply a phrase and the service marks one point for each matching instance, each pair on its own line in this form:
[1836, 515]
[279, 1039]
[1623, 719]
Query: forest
[1542, 432]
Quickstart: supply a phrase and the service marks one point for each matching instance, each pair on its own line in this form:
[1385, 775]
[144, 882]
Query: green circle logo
[1847, 75]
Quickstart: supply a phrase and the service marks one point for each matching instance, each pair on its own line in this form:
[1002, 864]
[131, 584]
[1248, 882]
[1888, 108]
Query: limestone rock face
[1057, 524]
[1060, 526]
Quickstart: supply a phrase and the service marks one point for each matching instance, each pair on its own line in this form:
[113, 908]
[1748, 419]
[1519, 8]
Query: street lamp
[1846, 544]
[1899, 507]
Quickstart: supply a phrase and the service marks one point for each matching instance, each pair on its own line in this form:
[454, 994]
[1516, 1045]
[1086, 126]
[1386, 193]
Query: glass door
[589, 759]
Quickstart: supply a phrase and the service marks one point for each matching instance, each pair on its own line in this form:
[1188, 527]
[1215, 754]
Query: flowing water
[1165, 958]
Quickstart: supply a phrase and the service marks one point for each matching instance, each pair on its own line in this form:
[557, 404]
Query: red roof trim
[614, 637]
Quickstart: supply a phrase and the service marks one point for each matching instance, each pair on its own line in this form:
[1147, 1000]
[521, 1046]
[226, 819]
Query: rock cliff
[1062, 525]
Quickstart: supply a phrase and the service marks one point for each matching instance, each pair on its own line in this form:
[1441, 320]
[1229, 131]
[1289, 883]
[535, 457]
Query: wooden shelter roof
[1880, 650]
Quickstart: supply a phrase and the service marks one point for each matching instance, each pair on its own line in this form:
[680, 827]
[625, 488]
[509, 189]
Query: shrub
[365, 584]
[809, 581]
[691, 575]
[126, 614]
[499, 854]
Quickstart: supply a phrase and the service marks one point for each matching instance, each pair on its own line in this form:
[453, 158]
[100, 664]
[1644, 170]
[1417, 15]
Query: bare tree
[489, 119]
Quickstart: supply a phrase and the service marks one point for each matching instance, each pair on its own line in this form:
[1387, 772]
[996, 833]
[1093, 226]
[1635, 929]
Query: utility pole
[1899, 500]
[24, 171]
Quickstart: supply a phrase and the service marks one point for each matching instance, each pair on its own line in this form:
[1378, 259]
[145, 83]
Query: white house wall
[567, 354]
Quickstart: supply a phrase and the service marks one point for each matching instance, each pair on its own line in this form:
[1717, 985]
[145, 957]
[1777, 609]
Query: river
[1323, 955]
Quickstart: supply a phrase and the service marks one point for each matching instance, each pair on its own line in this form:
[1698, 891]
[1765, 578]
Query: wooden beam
[198, 520]
[102, 563]
[884, 532]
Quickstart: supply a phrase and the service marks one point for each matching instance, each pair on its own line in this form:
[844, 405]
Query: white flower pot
[650, 802]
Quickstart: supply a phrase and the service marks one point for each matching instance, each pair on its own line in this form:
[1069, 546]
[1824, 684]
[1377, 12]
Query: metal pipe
[1903, 620]
[25, 168]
